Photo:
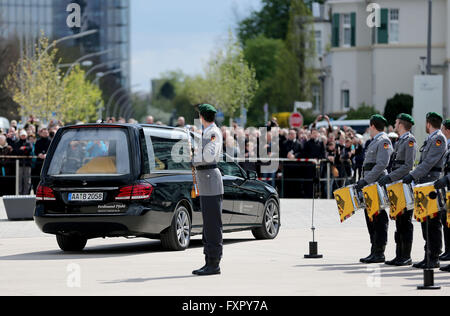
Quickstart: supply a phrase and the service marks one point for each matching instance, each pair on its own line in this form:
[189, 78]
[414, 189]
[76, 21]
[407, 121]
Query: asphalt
[32, 264]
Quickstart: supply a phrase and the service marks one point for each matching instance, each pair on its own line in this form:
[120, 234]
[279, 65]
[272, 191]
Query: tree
[81, 98]
[34, 83]
[229, 82]
[400, 103]
[9, 54]
[37, 85]
[271, 21]
[300, 41]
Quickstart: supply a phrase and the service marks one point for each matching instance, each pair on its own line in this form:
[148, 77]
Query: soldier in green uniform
[403, 160]
[211, 190]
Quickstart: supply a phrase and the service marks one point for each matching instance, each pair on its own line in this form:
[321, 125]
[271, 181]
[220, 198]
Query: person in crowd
[290, 145]
[23, 148]
[181, 122]
[40, 150]
[6, 168]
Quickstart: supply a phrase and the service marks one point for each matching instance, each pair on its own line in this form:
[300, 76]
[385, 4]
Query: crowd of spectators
[340, 148]
[30, 143]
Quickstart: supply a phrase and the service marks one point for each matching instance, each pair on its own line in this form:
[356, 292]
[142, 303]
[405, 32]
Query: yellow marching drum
[424, 206]
[374, 199]
[400, 197]
[347, 201]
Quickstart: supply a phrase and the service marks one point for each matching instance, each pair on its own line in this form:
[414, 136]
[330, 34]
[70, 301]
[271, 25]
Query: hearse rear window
[91, 152]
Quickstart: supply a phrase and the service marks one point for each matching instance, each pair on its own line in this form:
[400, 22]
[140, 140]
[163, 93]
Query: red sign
[296, 120]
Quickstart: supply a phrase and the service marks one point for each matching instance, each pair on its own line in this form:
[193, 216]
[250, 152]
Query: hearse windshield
[91, 152]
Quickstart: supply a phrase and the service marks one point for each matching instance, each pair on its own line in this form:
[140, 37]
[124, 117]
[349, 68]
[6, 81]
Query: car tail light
[45, 194]
[135, 192]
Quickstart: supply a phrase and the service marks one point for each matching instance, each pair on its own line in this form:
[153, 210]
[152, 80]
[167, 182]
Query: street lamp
[99, 66]
[84, 57]
[108, 106]
[100, 75]
[62, 39]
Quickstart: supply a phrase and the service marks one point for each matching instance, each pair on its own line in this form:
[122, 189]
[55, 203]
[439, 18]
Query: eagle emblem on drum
[393, 199]
[421, 202]
[368, 201]
[340, 203]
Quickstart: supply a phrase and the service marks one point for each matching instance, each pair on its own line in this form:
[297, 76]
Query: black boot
[445, 269]
[405, 259]
[211, 268]
[398, 255]
[424, 264]
[372, 250]
[378, 255]
[445, 256]
[202, 268]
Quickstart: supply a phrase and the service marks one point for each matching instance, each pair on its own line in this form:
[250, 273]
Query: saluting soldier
[403, 160]
[377, 159]
[211, 191]
[441, 184]
[429, 170]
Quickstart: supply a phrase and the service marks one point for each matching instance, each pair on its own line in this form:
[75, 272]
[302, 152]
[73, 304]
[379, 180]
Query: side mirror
[252, 175]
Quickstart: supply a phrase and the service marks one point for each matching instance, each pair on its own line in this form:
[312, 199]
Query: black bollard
[313, 245]
[428, 281]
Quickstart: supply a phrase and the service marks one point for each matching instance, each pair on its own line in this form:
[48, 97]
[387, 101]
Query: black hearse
[103, 180]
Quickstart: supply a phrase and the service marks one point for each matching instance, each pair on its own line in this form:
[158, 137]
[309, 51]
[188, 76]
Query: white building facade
[369, 65]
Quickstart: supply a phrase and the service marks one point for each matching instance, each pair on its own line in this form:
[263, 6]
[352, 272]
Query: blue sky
[179, 34]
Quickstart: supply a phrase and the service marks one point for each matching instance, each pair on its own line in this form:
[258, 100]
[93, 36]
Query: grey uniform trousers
[211, 207]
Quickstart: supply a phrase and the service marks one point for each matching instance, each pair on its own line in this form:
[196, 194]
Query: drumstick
[194, 177]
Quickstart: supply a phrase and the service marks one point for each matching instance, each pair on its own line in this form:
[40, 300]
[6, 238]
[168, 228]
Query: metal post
[328, 181]
[17, 176]
[430, 7]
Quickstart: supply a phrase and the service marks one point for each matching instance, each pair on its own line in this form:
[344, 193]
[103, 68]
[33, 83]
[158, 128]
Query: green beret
[447, 124]
[406, 117]
[379, 118]
[206, 108]
[435, 115]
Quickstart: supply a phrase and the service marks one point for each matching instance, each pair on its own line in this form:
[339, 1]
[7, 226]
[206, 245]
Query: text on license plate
[86, 196]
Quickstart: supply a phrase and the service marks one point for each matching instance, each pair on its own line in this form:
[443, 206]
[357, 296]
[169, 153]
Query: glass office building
[26, 19]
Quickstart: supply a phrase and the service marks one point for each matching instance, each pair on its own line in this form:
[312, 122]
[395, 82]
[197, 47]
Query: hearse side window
[230, 169]
[167, 150]
[91, 152]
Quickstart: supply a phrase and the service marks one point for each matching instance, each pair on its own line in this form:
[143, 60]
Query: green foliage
[37, 85]
[363, 112]
[81, 98]
[271, 21]
[400, 103]
[228, 83]
[300, 41]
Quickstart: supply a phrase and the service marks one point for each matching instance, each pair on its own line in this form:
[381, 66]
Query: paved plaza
[32, 264]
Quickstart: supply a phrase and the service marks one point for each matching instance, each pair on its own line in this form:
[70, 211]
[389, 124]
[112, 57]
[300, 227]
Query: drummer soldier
[211, 190]
[403, 160]
[377, 159]
[439, 185]
[429, 170]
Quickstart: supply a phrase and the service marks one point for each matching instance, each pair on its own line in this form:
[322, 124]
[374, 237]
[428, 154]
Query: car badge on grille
[84, 183]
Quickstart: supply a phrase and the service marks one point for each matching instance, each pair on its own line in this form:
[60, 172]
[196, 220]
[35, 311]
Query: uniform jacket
[404, 156]
[432, 157]
[209, 181]
[378, 154]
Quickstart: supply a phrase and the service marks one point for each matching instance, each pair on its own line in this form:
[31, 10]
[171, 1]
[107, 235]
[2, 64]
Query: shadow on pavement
[112, 251]
[142, 280]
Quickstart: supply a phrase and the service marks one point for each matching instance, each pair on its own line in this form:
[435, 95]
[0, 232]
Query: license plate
[86, 197]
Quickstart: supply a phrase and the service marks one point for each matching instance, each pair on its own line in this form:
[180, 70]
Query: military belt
[369, 166]
[208, 167]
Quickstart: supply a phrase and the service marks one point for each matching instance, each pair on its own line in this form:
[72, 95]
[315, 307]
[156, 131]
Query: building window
[345, 99]
[318, 37]
[393, 25]
[346, 30]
